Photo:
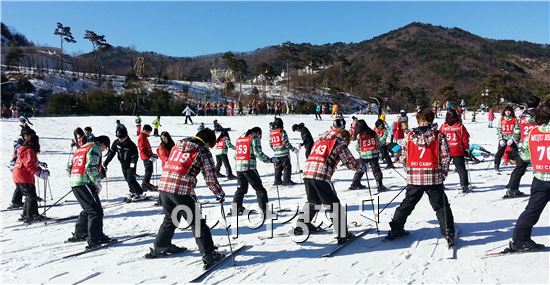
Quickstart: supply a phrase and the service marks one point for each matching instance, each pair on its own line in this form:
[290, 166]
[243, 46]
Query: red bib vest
[525, 127]
[367, 143]
[79, 159]
[379, 132]
[220, 144]
[507, 126]
[454, 139]
[539, 146]
[180, 162]
[321, 150]
[423, 157]
[276, 138]
[243, 145]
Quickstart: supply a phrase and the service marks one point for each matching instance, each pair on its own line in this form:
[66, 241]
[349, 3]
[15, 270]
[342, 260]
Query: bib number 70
[542, 150]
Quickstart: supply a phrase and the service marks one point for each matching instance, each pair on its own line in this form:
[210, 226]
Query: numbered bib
[379, 132]
[423, 157]
[180, 162]
[539, 146]
[321, 150]
[507, 126]
[243, 148]
[220, 144]
[525, 127]
[367, 143]
[454, 137]
[276, 138]
[79, 160]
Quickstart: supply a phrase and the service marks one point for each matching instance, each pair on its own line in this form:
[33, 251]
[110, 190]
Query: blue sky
[195, 28]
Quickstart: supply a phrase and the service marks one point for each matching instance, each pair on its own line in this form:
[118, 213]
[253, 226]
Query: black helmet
[121, 132]
[295, 127]
[338, 124]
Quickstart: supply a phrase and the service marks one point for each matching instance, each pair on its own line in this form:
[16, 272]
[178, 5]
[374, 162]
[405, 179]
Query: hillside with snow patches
[55, 82]
[33, 254]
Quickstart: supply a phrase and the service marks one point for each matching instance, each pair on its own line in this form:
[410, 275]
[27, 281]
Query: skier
[222, 144]
[156, 125]
[188, 112]
[426, 157]
[17, 198]
[491, 118]
[505, 133]
[127, 154]
[318, 111]
[26, 167]
[521, 130]
[472, 153]
[404, 120]
[248, 148]
[219, 128]
[166, 145]
[88, 134]
[367, 147]
[307, 138]
[352, 126]
[281, 146]
[79, 138]
[201, 127]
[177, 189]
[329, 149]
[538, 138]
[85, 181]
[381, 129]
[148, 157]
[138, 124]
[458, 140]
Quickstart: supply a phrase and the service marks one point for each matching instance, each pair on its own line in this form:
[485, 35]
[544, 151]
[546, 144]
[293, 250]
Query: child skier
[505, 133]
[148, 157]
[138, 125]
[222, 144]
[307, 139]
[156, 125]
[367, 147]
[281, 146]
[458, 140]
[381, 130]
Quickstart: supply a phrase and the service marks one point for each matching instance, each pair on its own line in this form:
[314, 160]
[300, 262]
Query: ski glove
[510, 142]
[365, 166]
[98, 187]
[220, 197]
[273, 159]
[153, 158]
[43, 174]
[12, 165]
[296, 150]
[502, 143]
[42, 164]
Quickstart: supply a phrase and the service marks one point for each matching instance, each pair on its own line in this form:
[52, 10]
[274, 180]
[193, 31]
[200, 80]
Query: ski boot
[393, 234]
[231, 177]
[357, 187]
[15, 206]
[527, 245]
[289, 183]
[219, 175]
[298, 231]
[77, 238]
[381, 188]
[211, 258]
[172, 249]
[343, 240]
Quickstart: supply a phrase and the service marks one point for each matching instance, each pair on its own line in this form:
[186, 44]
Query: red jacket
[397, 131]
[26, 166]
[145, 151]
[458, 138]
[163, 154]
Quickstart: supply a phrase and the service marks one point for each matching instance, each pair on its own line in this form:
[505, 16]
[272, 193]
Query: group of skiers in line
[426, 152]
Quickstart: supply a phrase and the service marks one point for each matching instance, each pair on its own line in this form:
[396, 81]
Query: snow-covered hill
[33, 254]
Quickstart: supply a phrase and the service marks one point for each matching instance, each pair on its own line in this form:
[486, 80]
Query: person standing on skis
[281, 147]
[367, 147]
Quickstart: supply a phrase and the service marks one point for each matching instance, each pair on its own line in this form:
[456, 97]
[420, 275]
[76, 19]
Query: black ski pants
[253, 178]
[223, 158]
[322, 193]
[460, 166]
[283, 169]
[188, 118]
[166, 231]
[386, 155]
[30, 208]
[130, 176]
[148, 165]
[438, 200]
[17, 198]
[540, 195]
[373, 162]
[90, 220]
[517, 173]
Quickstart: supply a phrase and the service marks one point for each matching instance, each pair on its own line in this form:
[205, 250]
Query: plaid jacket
[174, 183]
[256, 146]
[324, 171]
[423, 136]
[226, 145]
[282, 150]
[91, 174]
[525, 153]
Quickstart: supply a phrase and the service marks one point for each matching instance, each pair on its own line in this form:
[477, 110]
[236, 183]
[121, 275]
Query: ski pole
[405, 187]
[44, 214]
[46, 209]
[70, 155]
[156, 174]
[298, 164]
[469, 176]
[49, 186]
[399, 173]
[227, 231]
[107, 186]
[370, 194]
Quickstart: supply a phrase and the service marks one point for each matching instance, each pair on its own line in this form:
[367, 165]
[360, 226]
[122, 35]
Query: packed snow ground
[33, 254]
